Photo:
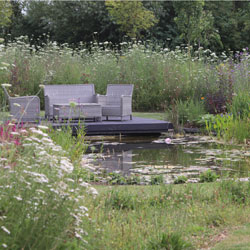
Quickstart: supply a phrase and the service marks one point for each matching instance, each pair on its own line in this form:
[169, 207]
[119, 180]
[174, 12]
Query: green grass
[138, 217]
[239, 239]
[152, 115]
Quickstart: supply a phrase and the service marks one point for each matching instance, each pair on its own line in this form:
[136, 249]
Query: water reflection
[187, 156]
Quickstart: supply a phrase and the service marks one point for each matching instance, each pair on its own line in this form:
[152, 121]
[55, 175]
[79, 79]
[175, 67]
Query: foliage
[195, 24]
[156, 179]
[132, 16]
[189, 112]
[237, 191]
[5, 12]
[240, 105]
[180, 179]
[230, 128]
[161, 77]
[208, 176]
[120, 200]
[75, 146]
[157, 215]
[75, 21]
[170, 241]
[39, 187]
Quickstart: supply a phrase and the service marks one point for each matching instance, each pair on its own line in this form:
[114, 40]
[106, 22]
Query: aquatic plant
[208, 176]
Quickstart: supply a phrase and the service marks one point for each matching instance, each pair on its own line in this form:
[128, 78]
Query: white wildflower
[6, 85]
[84, 184]
[43, 127]
[42, 86]
[14, 133]
[92, 191]
[67, 166]
[18, 198]
[5, 229]
[4, 245]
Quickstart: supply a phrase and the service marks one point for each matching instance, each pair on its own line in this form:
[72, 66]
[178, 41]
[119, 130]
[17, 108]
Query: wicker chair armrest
[7, 96]
[22, 98]
[126, 105]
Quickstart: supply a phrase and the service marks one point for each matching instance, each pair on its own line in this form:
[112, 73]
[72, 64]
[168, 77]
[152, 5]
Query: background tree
[5, 14]
[131, 16]
[195, 24]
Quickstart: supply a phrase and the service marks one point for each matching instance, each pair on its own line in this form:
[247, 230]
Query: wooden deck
[135, 126]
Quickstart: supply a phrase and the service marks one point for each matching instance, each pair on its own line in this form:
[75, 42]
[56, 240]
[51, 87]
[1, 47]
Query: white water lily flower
[5, 229]
[6, 85]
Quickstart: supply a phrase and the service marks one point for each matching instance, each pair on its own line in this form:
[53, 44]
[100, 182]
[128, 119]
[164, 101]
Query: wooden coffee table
[79, 111]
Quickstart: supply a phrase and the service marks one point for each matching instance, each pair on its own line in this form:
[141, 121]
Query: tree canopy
[5, 12]
[131, 16]
[215, 25]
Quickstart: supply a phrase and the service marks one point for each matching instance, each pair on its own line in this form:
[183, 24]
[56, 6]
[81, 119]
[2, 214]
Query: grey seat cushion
[111, 110]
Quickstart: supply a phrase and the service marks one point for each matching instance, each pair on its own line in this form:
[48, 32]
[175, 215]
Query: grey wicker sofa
[65, 93]
[118, 101]
[23, 108]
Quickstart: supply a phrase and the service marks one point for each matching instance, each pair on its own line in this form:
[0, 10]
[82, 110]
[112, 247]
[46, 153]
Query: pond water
[146, 158]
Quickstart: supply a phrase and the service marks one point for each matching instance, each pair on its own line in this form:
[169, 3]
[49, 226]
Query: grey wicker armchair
[24, 108]
[118, 101]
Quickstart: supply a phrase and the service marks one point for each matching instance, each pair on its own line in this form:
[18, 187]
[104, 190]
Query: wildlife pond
[168, 158]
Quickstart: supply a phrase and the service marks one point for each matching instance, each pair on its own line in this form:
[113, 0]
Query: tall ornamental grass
[160, 76]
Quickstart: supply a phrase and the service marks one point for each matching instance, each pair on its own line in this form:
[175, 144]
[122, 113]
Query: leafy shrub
[208, 176]
[188, 112]
[228, 127]
[170, 241]
[216, 103]
[116, 178]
